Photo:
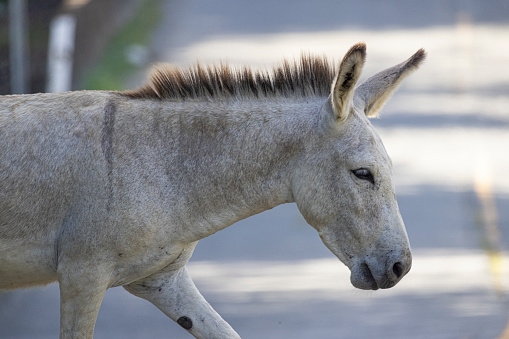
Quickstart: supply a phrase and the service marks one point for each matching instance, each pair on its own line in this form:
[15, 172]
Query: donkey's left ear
[374, 92]
[343, 87]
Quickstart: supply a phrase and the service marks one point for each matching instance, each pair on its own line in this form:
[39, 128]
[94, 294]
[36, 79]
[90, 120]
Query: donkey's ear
[344, 85]
[374, 92]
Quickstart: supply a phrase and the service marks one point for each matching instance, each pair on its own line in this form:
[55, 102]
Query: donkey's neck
[230, 160]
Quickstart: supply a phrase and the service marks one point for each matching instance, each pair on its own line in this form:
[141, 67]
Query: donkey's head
[345, 188]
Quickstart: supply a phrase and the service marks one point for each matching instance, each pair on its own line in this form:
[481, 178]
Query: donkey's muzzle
[371, 274]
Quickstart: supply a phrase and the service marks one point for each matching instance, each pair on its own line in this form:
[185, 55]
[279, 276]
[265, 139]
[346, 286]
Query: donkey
[101, 189]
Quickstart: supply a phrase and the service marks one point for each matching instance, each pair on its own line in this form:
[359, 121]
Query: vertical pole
[18, 49]
[61, 53]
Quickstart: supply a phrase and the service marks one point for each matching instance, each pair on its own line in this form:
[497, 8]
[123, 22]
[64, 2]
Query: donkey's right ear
[374, 92]
[344, 85]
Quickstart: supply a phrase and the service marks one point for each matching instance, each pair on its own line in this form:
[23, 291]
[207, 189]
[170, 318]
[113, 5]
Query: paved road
[447, 131]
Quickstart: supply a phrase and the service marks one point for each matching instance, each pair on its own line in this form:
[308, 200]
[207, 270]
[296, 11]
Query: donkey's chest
[135, 266]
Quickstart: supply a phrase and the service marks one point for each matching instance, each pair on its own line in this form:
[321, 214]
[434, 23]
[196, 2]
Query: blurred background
[269, 276]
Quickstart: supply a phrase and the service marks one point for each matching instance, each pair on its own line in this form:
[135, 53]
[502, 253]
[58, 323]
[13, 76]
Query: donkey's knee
[174, 293]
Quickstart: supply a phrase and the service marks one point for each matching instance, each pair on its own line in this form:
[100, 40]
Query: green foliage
[113, 67]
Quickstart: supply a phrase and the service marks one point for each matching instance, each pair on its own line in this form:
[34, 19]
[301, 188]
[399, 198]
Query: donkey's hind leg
[80, 299]
[175, 294]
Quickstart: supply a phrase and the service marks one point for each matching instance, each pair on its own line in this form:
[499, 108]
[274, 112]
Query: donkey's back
[51, 165]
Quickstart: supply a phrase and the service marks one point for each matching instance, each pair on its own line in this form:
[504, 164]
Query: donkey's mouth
[363, 278]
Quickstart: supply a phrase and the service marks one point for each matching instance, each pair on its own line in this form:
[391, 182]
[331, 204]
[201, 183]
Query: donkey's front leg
[80, 300]
[174, 293]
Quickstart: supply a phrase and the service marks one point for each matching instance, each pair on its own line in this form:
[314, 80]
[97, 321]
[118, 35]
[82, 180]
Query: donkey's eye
[364, 174]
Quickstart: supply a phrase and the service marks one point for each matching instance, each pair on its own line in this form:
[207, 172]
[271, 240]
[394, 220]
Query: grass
[113, 67]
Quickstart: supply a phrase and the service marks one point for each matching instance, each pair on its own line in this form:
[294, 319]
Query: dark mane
[308, 76]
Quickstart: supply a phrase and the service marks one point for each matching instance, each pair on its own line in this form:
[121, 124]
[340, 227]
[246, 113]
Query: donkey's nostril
[398, 269]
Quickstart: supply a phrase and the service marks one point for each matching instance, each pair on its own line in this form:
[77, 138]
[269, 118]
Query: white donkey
[104, 189]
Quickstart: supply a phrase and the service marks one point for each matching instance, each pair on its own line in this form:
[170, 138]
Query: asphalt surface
[447, 131]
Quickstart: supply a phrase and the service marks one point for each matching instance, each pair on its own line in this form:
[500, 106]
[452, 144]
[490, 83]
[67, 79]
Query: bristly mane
[309, 76]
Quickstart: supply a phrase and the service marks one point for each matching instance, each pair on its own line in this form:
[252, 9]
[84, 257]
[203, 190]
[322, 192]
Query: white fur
[100, 190]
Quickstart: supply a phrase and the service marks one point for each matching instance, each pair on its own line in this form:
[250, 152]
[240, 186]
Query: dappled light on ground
[433, 272]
